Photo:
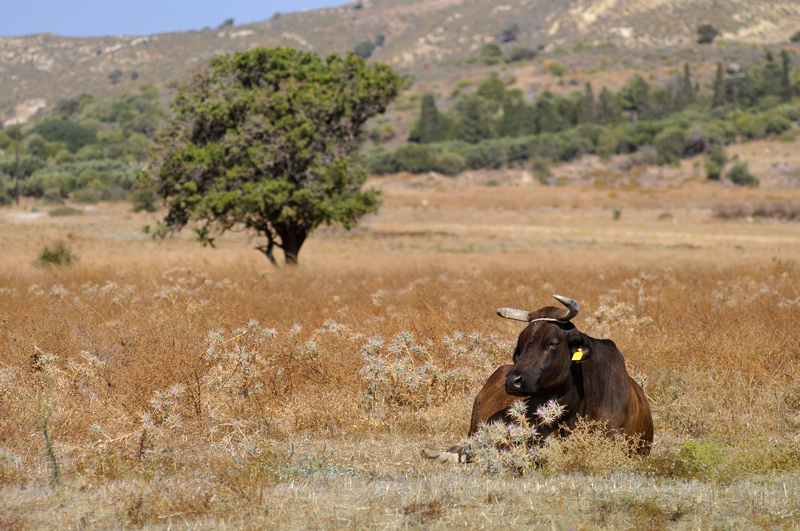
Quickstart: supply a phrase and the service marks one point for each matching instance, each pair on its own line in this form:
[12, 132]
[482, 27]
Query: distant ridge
[417, 34]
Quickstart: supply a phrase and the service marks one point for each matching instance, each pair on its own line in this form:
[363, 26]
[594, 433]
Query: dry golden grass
[182, 386]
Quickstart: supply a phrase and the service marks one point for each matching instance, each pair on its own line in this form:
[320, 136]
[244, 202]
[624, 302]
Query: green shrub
[557, 69]
[5, 140]
[27, 165]
[489, 156]
[385, 132]
[646, 156]
[364, 49]
[790, 111]
[381, 161]
[75, 136]
[769, 102]
[607, 144]
[713, 170]
[36, 145]
[691, 460]
[64, 211]
[718, 155]
[58, 255]
[90, 152]
[740, 174]
[545, 146]
[670, 144]
[638, 134]
[413, 158]
[518, 53]
[7, 191]
[795, 37]
[449, 163]
[144, 198]
[54, 182]
[509, 33]
[64, 156]
[114, 168]
[591, 132]
[53, 196]
[491, 54]
[540, 169]
[759, 125]
[517, 150]
[777, 124]
[700, 139]
[572, 144]
[87, 196]
[706, 34]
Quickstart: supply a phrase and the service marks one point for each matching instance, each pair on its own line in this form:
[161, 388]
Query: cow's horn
[571, 304]
[517, 315]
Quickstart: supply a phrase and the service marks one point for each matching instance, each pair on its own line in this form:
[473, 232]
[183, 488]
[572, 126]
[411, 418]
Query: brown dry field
[180, 387]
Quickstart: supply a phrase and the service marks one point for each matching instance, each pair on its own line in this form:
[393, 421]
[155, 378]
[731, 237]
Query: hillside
[419, 36]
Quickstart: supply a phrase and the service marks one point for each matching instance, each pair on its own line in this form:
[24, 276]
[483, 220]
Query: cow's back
[639, 420]
[613, 397]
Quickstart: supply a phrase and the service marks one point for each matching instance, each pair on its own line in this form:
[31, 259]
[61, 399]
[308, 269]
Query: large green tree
[266, 140]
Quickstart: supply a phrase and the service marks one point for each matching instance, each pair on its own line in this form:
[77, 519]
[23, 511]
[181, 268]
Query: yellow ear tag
[577, 356]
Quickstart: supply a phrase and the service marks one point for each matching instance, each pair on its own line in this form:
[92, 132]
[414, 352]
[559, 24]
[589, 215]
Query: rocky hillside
[417, 36]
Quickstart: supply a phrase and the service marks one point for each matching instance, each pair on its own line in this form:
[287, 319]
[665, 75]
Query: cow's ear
[579, 349]
[580, 353]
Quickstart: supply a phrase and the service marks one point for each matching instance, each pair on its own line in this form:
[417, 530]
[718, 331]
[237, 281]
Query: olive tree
[266, 141]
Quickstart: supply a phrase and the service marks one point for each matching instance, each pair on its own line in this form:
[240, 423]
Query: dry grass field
[162, 385]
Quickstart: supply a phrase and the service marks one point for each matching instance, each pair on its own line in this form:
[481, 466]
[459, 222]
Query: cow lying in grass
[553, 360]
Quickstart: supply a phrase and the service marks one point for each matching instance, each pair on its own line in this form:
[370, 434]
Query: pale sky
[83, 18]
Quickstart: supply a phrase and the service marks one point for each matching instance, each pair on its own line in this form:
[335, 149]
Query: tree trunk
[292, 239]
[268, 248]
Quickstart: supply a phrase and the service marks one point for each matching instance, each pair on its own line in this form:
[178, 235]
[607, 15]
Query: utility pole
[734, 75]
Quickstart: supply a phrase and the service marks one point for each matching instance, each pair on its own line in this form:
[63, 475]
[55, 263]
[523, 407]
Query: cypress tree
[516, 115]
[786, 82]
[607, 110]
[635, 98]
[719, 87]
[429, 126]
[685, 90]
[588, 105]
[546, 118]
[474, 120]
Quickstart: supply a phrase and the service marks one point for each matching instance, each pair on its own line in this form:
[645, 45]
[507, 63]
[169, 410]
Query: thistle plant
[408, 372]
[235, 364]
[165, 412]
[516, 446]
[43, 415]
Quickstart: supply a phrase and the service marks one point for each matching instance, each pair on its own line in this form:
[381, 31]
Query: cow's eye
[553, 346]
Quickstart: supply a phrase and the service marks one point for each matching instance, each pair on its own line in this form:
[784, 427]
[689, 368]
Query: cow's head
[546, 349]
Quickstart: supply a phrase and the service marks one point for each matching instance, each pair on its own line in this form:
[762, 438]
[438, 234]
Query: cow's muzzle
[516, 384]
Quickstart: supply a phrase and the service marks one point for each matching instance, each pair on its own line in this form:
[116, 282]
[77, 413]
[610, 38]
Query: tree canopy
[266, 140]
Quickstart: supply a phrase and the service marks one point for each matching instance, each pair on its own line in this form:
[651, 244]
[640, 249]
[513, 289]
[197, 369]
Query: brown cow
[554, 360]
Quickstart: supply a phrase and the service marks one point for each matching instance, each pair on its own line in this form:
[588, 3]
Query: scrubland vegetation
[160, 384]
[497, 124]
[89, 149]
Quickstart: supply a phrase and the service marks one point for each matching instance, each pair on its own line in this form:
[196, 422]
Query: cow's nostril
[515, 383]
